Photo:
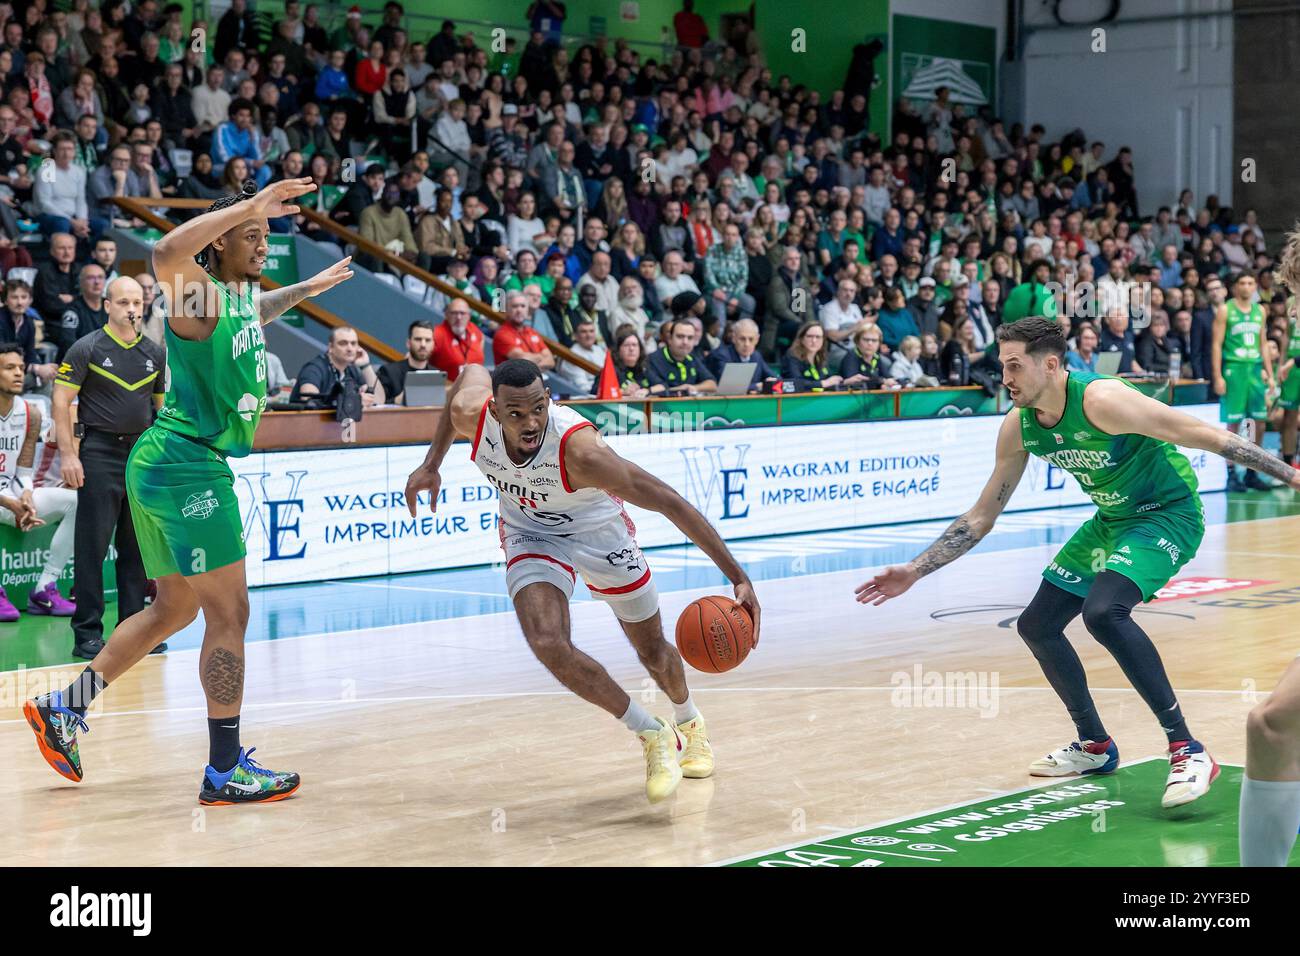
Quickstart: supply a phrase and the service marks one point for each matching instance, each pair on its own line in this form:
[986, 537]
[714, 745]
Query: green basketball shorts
[183, 505]
[1246, 394]
[1290, 394]
[1148, 549]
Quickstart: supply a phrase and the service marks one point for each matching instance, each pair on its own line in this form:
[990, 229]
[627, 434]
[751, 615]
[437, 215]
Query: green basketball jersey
[1241, 337]
[1125, 475]
[1293, 340]
[216, 389]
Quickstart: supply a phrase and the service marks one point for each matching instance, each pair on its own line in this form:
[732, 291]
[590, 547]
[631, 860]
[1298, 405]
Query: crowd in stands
[676, 212]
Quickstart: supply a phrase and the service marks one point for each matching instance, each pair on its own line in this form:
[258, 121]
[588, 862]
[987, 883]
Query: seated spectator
[742, 346]
[630, 307]
[440, 239]
[865, 366]
[925, 307]
[515, 338]
[960, 354]
[116, 178]
[1116, 336]
[394, 111]
[343, 366]
[804, 363]
[585, 345]
[674, 369]
[391, 378]
[598, 277]
[790, 302]
[630, 363]
[1155, 345]
[560, 311]
[18, 327]
[457, 341]
[85, 314]
[673, 282]
[386, 224]
[524, 229]
[60, 194]
[907, 369]
[1083, 357]
[839, 318]
[896, 320]
[236, 137]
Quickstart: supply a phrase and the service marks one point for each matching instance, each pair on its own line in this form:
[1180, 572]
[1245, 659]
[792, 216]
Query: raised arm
[1118, 409]
[273, 303]
[459, 419]
[967, 531]
[590, 463]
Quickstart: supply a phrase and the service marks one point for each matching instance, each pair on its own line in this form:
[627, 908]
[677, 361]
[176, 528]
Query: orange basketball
[714, 634]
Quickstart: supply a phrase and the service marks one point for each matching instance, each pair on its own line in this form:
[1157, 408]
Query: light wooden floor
[446, 743]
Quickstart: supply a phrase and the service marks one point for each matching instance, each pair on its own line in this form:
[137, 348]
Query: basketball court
[426, 733]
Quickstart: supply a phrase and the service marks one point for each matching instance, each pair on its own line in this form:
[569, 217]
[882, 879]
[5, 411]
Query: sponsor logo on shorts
[1169, 547]
[1069, 577]
[628, 558]
[200, 505]
[1119, 559]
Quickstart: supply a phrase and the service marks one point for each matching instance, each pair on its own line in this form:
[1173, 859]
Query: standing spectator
[726, 277]
[112, 411]
[419, 345]
[457, 341]
[692, 32]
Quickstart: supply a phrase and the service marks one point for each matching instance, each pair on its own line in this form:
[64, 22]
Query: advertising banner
[317, 515]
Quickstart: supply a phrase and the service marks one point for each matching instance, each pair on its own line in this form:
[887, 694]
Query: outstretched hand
[889, 583]
[328, 278]
[276, 200]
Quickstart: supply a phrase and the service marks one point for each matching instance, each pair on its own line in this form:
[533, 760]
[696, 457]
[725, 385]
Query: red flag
[607, 386]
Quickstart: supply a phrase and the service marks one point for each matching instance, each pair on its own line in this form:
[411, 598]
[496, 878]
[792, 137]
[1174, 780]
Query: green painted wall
[831, 29]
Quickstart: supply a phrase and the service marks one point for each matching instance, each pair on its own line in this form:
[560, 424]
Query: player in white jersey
[562, 491]
[1270, 788]
[22, 504]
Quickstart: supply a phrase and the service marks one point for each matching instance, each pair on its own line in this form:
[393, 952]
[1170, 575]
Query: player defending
[1270, 790]
[562, 491]
[1243, 370]
[1119, 445]
[181, 490]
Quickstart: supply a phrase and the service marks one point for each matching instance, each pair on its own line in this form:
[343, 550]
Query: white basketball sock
[1269, 818]
[638, 718]
[686, 710]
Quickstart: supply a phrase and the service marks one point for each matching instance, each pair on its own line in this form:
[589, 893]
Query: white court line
[407, 587]
[873, 851]
[509, 695]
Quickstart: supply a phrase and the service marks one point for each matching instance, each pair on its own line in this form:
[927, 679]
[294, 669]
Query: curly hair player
[181, 490]
[1120, 446]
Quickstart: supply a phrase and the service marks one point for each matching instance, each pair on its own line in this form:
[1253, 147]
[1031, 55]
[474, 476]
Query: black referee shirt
[115, 380]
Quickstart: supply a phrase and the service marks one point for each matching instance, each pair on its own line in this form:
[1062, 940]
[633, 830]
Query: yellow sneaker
[663, 748]
[697, 761]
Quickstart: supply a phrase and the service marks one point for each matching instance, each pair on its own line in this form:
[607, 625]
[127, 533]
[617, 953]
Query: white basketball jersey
[13, 431]
[49, 468]
[536, 495]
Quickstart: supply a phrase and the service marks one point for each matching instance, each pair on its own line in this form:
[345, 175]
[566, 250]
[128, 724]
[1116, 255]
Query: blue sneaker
[245, 782]
[56, 729]
[1086, 757]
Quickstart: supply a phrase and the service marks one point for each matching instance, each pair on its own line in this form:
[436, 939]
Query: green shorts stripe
[183, 505]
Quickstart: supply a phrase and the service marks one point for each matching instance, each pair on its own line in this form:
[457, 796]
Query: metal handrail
[137, 208]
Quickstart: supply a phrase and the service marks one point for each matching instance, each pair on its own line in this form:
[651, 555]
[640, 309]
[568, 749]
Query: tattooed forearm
[223, 677]
[952, 544]
[1247, 453]
[272, 303]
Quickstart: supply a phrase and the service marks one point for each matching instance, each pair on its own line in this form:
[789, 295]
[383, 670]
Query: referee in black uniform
[118, 378]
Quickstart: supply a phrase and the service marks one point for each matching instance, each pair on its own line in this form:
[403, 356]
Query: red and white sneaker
[48, 600]
[1191, 771]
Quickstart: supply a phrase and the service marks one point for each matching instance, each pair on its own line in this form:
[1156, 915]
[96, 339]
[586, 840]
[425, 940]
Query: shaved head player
[1120, 446]
[562, 491]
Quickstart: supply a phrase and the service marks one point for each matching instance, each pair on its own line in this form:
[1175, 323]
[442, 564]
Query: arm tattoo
[273, 303]
[1252, 456]
[952, 544]
[223, 677]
